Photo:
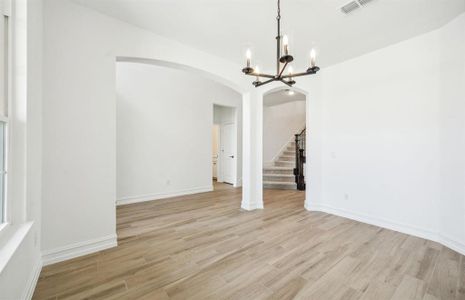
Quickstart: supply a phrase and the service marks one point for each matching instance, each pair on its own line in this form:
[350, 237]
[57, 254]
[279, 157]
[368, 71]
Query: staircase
[281, 174]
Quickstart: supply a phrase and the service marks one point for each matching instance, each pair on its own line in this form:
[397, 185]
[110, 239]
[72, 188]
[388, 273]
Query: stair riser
[284, 164]
[278, 178]
[279, 187]
[282, 179]
[286, 158]
[281, 172]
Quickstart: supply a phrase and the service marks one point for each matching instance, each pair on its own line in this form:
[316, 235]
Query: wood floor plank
[204, 246]
[410, 288]
[460, 292]
[444, 281]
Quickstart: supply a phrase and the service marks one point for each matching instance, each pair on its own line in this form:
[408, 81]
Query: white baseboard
[452, 244]
[158, 196]
[238, 183]
[392, 225]
[251, 207]
[78, 249]
[32, 281]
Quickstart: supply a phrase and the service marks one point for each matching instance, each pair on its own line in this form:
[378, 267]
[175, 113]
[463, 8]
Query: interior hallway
[204, 247]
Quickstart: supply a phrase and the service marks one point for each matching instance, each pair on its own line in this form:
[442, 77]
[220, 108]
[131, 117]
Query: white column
[313, 171]
[252, 150]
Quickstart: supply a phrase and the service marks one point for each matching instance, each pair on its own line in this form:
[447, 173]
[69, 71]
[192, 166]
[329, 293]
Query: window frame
[5, 12]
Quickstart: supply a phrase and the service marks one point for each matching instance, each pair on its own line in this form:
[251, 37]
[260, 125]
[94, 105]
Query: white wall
[452, 132]
[79, 124]
[280, 124]
[225, 114]
[393, 136]
[164, 131]
[79, 127]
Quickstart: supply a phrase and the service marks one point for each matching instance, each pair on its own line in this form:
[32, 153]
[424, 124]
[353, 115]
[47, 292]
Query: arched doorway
[162, 146]
[253, 143]
[284, 134]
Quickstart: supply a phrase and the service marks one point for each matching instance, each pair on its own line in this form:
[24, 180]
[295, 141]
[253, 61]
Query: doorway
[227, 152]
[224, 144]
[284, 132]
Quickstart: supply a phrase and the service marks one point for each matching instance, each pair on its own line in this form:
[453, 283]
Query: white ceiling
[282, 96]
[227, 27]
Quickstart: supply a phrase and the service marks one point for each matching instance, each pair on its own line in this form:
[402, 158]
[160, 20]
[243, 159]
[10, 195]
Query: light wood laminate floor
[204, 247]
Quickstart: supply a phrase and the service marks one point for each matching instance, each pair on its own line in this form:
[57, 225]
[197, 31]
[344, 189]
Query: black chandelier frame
[285, 59]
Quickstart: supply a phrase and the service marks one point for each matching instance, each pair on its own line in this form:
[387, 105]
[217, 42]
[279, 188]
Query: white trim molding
[32, 281]
[392, 225]
[238, 183]
[451, 243]
[158, 196]
[11, 239]
[78, 249]
[251, 206]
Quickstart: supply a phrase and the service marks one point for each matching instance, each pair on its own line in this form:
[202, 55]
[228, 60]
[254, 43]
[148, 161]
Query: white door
[228, 155]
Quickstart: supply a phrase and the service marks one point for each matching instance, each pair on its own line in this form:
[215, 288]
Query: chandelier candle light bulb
[248, 55]
[248, 70]
[286, 45]
[312, 58]
[282, 61]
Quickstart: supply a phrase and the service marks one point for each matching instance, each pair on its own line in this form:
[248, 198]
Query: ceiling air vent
[350, 7]
[354, 5]
[364, 2]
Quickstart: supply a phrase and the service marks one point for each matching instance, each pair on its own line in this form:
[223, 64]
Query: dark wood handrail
[300, 158]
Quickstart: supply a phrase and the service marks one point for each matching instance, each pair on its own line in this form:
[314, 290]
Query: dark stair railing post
[300, 160]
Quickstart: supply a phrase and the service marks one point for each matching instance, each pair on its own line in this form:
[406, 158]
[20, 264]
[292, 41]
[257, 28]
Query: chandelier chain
[279, 10]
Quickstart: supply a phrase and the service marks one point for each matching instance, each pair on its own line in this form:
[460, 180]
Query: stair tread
[279, 175]
[278, 168]
[279, 182]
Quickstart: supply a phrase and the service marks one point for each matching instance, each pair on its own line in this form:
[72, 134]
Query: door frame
[217, 171]
[235, 142]
[222, 154]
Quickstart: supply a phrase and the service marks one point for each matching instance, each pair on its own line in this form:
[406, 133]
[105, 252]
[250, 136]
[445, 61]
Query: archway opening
[164, 132]
[284, 139]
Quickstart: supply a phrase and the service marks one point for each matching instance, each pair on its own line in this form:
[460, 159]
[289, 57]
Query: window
[3, 113]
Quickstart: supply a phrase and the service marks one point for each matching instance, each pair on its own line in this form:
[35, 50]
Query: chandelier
[281, 62]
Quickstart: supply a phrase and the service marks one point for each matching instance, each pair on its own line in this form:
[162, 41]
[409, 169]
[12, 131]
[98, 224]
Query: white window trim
[14, 229]
[5, 10]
